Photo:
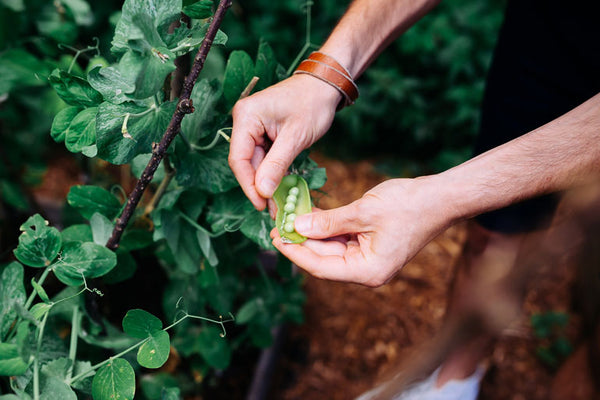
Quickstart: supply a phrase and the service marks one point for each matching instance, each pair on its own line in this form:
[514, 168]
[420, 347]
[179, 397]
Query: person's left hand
[369, 240]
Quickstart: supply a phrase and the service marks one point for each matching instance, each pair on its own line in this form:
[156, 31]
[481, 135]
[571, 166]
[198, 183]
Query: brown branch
[184, 106]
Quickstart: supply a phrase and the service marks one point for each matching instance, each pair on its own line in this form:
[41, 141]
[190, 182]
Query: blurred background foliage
[418, 109]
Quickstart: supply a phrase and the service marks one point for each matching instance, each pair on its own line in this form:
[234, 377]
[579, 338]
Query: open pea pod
[292, 198]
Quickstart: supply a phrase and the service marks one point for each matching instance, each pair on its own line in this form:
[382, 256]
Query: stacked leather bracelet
[327, 69]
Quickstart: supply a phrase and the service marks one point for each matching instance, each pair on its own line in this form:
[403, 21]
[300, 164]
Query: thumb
[330, 223]
[274, 166]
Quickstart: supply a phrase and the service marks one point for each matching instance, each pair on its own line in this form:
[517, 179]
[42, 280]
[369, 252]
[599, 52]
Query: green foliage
[197, 236]
[549, 328]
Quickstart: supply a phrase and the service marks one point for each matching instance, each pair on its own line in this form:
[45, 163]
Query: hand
[293, 114]
[369, 240]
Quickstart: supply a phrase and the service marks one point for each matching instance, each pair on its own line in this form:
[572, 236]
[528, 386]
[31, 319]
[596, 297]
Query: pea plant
[149, 109]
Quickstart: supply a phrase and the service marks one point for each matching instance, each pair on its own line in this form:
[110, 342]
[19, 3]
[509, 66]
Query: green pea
[292, 198]
[288, 227]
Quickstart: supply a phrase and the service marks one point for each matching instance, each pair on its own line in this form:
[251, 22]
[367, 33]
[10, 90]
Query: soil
[353, 335]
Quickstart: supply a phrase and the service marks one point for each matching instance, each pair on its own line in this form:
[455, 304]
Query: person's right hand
[293, 114]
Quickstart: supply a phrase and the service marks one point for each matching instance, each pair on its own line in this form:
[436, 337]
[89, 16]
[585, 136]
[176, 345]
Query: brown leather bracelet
[333, 76]
[324, 58]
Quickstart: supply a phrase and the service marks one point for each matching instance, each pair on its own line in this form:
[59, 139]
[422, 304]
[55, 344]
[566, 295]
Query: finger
[328, 265]
[275, 165]
[326, 247]
[243, 153]
[330, 223]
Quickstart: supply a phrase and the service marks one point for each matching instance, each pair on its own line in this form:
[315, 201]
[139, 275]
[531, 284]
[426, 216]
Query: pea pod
[292, 199]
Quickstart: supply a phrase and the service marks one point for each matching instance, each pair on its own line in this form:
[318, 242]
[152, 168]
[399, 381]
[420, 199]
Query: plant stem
[184, 106]
[162, 188]
[75, 321]
[36, 360]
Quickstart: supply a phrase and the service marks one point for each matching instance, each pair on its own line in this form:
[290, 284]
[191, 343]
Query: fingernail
[267, 187]
[303, 224]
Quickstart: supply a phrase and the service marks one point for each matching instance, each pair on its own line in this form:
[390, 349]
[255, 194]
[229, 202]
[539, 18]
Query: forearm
[554, 157]
[368, 26]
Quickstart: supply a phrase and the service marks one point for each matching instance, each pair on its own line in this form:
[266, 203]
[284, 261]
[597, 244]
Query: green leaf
[136, 239]
[85, 384]
[114, 86]
[257, 227]
[214, 348]
[206, 170]
[11, 362]
[40, 291]
[266, 67]
[53, 388]
[81, 132]
[200, 123]
[73, 90]
[154, 385]
[249, 310]
[38, 310]
[139, 163]
[79, 260]
[12, 291]
[229, 210]
[81, 11]
[172, 393]
[199, 10]
[12, 194]
[115, 380]
[90, 199]
[184, 39]
[181, 238]
[102, 228]
[61, 122]
[161, 13]
[15, 5]
[141, 324]
[125, 269]
[19, 68]
[143, 130]
[77, 233]
[155, 352]
[238, 73]
[39, 243]
[58, 368]
[207, 248]
[56, 25]
[147, 70]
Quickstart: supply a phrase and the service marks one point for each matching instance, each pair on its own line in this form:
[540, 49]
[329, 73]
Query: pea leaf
[160, 13]
[266, 66]
[214, 349]
[81, 132]
[147, 70]
[206, 170]
[11, 362]
[15, 5]
[125, 268]
[12, 194]
[88, 199]
[200, 9]
[101, 228]
[80, 260]
[141, 324]
[155, 352]
[142, 130]
[40, 291]
[19, 68]
[53, 388]
[115, 380]
[185, 39]
[81, 10]
[114, 86]
[12, 291]
[77, 233]
[61, 122]
[73, 90]
[238, 73]
[39, 243]
[181, 238]
[199, 124]
[229, 210]
[257, 227]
